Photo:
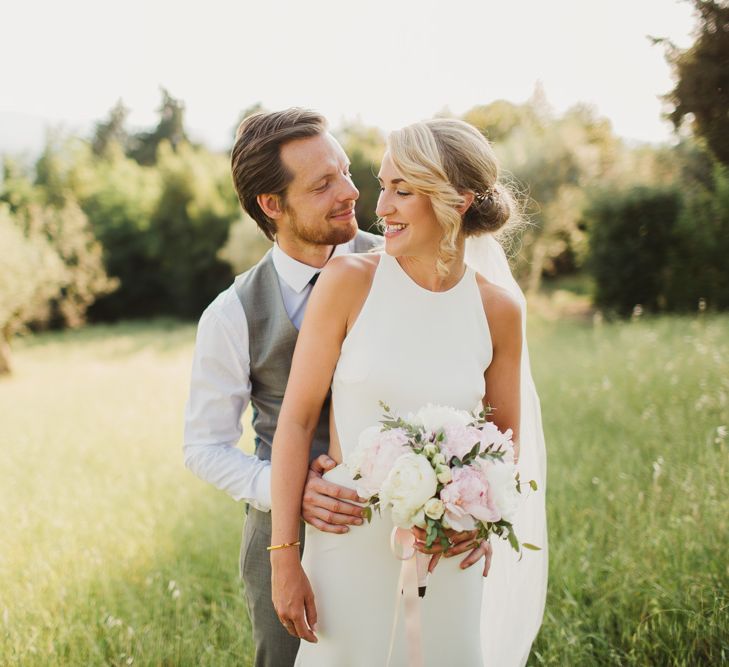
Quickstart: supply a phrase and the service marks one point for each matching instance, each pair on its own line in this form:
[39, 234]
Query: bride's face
[412, 228]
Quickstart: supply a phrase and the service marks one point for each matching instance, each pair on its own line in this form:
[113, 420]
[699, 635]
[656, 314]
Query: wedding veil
[515, 590]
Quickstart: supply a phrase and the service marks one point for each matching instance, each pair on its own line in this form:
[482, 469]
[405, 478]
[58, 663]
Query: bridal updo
[445, 158]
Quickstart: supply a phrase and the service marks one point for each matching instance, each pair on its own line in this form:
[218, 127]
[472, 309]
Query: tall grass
[636, 417]
[111, 553]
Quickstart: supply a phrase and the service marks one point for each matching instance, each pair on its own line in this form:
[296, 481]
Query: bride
[410, 326]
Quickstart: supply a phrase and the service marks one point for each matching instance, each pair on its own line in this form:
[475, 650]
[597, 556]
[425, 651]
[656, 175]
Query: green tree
[697, 265]
[120, 198]
[554, 162]
[111, 131]
[365, 147]
[170, 128]
[48, 208]
[189, 225]
[631, 238]
[245, 246]
[31, 275]
[701, 92]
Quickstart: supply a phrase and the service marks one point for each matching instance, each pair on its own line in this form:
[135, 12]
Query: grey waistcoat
[272, 338]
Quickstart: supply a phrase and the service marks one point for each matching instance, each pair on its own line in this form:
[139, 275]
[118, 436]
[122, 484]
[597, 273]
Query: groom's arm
[220, 390]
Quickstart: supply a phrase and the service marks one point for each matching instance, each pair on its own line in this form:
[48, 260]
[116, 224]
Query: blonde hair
[445, 158]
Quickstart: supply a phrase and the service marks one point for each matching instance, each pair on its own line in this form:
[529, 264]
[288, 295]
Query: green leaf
[513, 541]
[533, 547]
[533, 485]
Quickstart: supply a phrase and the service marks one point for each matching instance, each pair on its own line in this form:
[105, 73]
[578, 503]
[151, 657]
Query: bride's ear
[467, 201]
[271, 205]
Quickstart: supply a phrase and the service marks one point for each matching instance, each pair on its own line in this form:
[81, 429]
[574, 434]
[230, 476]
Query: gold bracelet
[283, 546]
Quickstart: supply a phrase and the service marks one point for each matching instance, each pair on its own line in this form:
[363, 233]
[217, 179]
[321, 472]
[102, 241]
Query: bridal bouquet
[440, 469]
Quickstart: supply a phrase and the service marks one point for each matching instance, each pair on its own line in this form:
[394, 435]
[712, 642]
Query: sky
[381, 62]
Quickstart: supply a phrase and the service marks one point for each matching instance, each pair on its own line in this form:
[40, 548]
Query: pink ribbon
[413, 573]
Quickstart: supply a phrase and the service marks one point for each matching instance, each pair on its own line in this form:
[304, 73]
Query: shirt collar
[296, 274]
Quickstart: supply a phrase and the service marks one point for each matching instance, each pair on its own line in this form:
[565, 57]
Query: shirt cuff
[262, 501]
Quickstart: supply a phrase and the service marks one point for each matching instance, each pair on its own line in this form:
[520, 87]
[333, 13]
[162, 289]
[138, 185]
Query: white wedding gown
[408, 347]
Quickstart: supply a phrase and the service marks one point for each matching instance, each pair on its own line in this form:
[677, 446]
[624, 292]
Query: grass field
[111, 553]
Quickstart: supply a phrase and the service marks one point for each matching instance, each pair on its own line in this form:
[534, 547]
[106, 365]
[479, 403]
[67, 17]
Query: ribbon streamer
[413, 573]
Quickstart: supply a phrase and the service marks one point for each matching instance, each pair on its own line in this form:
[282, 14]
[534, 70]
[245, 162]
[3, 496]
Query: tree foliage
[111, 131]
[663, 248]
[701, 92]
[365, 147]
[552, 162]
[170, 128]
[630, 242]
[31, 276]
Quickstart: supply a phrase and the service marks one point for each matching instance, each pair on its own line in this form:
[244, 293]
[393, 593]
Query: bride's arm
[317, 351]
[503, 376]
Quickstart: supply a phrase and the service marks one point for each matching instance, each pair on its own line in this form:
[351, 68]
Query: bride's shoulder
[352, 270]
[502, 309]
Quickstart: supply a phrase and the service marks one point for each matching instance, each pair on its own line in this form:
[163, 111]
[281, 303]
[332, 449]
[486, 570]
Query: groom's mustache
[346, 209]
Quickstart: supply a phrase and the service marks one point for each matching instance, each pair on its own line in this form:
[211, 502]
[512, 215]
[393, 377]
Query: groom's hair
[256, 157]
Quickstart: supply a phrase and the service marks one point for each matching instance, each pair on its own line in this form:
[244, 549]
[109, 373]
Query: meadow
[111, 553]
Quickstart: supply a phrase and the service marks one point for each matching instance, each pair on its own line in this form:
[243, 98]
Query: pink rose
[468, 497]
[459, 440]
[375, 456]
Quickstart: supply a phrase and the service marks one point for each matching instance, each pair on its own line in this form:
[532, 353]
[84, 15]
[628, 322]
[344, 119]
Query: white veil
[515, 590]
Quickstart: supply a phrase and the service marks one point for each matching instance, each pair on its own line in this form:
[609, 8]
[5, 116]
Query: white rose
[409, 485]
[437, 417]
[434, 508]
[444, 474]
[439, 458]
[500, 477]
[431, 450]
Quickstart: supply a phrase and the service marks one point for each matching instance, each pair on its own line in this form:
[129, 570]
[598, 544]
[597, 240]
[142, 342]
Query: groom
[292, 177]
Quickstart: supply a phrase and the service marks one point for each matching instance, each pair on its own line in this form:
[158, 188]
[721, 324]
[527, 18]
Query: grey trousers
[274, 646]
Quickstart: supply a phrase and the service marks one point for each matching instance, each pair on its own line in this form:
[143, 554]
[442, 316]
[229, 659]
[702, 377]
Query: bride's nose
[384, 205]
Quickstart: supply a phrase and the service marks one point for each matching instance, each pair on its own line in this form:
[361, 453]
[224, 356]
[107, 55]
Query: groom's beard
[321, 235]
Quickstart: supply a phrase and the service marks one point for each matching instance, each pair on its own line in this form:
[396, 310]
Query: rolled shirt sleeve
[220, 390]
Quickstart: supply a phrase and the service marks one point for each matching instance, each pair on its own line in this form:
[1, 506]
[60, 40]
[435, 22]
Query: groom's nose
[349, 191]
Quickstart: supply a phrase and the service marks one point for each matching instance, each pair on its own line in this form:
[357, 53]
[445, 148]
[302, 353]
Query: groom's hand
[327, 506]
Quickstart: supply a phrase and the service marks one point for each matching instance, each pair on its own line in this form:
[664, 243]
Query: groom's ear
[271, 205]
[467, 201]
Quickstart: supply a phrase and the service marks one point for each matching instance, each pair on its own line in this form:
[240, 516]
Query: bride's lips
[394, 229]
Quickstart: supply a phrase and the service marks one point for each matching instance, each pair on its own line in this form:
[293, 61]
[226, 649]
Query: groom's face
[319, 202]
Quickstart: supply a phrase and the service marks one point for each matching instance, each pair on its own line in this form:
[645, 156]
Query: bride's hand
[292, 595]
[460, 543]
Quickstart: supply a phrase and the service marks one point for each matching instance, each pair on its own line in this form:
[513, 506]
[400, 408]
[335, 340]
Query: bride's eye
[402, 193]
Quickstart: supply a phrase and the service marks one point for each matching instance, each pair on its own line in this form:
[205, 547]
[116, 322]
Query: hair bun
[489, 211]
